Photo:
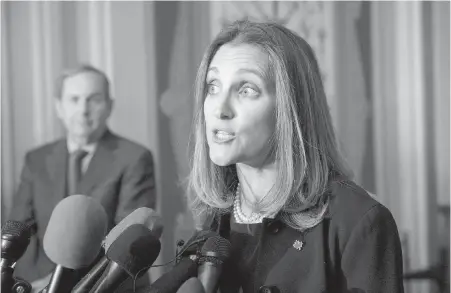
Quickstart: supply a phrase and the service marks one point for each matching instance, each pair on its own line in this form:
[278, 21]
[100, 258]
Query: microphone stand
[10, 284]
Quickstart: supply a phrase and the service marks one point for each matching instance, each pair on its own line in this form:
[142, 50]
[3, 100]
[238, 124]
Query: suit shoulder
[44, 148]
[349, 201]
[129, 148]
[42, 151]
[351, 206]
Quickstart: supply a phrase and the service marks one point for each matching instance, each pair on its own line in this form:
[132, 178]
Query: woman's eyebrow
[259, 73]
[262, 74]
[214, 69]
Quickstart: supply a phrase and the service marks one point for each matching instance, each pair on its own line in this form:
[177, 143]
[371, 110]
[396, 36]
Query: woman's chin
[220, 160]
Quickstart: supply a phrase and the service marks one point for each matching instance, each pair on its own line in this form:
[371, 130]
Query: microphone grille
[146, 249]
[16, 229]
[135, 249]
[196, 242]
[219, 245]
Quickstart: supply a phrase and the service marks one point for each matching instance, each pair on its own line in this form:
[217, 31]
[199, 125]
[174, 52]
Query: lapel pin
[298, 245]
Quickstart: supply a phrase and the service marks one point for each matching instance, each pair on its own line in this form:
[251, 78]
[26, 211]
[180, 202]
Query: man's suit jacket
[356, 248]
[120, 175]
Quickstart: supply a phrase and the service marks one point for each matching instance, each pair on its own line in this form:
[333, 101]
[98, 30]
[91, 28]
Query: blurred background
[386, 67]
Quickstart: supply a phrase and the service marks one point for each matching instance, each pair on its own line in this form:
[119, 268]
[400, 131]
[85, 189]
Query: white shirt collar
[72, 147]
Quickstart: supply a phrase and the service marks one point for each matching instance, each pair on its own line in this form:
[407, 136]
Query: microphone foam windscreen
[192, 285]
[16, 229]
[218, 245]
[18, 235]
[75, 231]
[143, 215]
[135, 249]
[196, 242]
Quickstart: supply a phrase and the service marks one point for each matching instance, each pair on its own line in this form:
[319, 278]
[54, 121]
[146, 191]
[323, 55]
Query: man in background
[90, 160]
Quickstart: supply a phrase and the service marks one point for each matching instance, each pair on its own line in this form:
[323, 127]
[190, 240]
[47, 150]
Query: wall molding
[7, 167]
[47, 58]
[399, 127]
[441, 105]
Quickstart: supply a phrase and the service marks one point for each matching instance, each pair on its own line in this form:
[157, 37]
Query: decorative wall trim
[39, 74]
[350, 102]
[96, 33]
[7, 167]
[384, 106]
[441, 74]
[411, 128]
[400, 125]
[47, 58]
[108, 45]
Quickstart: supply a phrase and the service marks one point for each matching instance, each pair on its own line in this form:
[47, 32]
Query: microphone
[130, 255]
[195, 243]
[143, 215]
[90, 279]
[193, 285]
[171, 281]
[15, 240]
[73, 238]
[214, 252]
[185, 269]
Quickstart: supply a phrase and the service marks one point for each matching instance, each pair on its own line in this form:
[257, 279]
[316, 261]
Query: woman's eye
[248, 92]
[212, 89]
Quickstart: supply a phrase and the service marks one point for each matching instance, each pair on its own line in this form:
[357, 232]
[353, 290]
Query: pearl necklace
[240, 217]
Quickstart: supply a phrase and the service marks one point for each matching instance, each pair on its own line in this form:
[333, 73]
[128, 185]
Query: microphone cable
[176, 258]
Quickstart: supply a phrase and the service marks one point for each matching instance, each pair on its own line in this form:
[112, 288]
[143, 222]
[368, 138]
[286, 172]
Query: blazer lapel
[277, 240]
[100, 165]
[57, 168]
[222, 224]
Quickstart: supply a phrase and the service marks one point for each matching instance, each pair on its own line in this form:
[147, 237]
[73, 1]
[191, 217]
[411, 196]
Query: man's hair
[77, 70]
[303, 143]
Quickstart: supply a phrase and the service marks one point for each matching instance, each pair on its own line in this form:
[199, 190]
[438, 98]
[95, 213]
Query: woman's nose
[223, 108]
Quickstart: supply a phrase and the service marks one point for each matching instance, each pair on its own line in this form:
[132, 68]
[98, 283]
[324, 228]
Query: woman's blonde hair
[304, 143]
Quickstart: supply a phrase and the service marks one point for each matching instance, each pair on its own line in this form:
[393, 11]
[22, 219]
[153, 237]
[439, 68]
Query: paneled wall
[411, 130]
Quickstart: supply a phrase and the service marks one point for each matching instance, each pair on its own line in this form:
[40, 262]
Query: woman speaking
[267, 174]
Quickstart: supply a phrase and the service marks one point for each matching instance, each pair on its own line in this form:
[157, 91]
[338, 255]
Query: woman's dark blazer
[356, 248]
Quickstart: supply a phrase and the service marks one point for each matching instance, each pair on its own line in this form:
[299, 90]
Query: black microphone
[214, 252]
[90, 279]
[130, 256]
[195, 243]
[142, 215]
[185, 269]
[15, 240]
[171, 281]
[193, 285]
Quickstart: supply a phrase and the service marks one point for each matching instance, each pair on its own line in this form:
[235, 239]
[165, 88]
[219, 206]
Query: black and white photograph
[225, 146]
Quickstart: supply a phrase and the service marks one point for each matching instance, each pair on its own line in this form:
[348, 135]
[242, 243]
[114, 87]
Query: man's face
[84, 106]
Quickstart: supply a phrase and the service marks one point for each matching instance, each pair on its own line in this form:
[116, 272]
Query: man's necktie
[75, 171]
